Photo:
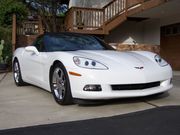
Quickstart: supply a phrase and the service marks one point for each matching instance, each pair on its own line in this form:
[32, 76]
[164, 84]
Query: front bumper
[107, 92]
[106, 78]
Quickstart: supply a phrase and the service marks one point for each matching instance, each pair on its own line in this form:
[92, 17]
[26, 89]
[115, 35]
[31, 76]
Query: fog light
[92, 88]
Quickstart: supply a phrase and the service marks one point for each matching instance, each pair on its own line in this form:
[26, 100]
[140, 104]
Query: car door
[35, 63]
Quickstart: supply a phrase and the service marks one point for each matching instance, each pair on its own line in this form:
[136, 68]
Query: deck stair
[103, 20]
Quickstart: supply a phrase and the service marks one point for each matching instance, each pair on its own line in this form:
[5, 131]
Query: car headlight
[160, 61]
[88, 63]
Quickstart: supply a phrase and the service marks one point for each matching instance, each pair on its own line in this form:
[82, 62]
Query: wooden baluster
[116, 4]
[122, 3]
[87, 18]
[95, 19]
[76, 16]
[115, 7]
[107, 13]
[119, 6]
[110, 12]
[97, 23]
[92, 20]
[98, 19]
[112, 9]
[83, 18]
[102, 17]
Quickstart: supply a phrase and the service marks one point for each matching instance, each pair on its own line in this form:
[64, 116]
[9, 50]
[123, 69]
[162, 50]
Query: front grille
[135, 86]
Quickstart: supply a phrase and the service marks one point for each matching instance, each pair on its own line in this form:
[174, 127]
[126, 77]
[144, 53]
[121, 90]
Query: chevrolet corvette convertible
[75, 66]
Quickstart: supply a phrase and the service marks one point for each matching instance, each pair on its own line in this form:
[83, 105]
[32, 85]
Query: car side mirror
[32, 49]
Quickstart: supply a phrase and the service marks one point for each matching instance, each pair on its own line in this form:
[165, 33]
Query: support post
[41, 31]
[126, 7]
[13, 32]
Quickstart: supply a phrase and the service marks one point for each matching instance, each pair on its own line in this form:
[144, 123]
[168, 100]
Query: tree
[7, 8]
[48, 10]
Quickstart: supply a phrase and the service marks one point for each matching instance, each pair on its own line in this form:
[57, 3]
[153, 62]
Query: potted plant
[3, 60]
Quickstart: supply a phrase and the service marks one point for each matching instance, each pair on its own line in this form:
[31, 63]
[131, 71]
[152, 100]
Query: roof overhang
[170, 8]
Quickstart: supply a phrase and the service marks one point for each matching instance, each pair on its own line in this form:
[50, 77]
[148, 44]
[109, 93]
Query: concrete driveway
[29, 105]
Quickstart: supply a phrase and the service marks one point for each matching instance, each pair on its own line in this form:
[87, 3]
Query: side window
[39, 44]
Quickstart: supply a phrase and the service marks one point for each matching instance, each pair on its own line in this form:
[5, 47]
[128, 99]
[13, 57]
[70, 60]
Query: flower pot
[3, 67]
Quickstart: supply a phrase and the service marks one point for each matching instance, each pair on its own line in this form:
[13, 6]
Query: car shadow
[93, 103]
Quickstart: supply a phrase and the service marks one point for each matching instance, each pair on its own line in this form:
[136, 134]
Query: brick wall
[170, 50]
[139, 47]
[25, 40]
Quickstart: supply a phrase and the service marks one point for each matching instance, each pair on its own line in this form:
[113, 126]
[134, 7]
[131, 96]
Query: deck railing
[93, 18]
[28, 28]
[113, 9]
[86, 18]
[96, 19]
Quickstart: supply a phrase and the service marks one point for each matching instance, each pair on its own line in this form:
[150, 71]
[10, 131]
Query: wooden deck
[101, 21]
[85, 20]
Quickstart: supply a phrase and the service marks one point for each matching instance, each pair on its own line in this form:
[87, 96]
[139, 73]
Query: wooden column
[126, 7]
[104, 25]
[41, 31]
[14, 32]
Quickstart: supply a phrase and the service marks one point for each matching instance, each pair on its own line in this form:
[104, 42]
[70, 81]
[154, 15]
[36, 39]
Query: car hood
[113, 58]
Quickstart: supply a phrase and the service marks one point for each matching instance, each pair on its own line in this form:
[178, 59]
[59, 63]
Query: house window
[170, 30]
[175, 30]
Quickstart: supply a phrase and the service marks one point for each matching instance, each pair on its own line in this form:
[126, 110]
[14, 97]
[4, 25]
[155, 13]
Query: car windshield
[73, 42]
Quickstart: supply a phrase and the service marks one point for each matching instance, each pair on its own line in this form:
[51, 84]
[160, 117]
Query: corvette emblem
[138, 67]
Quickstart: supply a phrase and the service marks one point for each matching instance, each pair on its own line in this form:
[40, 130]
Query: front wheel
[17, 74]
[60, 85]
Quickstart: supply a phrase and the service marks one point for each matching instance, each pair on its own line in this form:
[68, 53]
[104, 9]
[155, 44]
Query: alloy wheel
[59, 83]
[16, 72]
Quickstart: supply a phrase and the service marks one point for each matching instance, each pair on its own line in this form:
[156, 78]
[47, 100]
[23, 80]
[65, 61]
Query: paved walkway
[29, 105]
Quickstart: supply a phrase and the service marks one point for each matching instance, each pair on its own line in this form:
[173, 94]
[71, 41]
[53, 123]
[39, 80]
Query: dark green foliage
[7, 8]
[48, 10]
[5, 34]
[7, 53]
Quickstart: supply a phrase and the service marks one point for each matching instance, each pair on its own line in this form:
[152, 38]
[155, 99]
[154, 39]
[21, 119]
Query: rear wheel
[60, 85]
[17, 74]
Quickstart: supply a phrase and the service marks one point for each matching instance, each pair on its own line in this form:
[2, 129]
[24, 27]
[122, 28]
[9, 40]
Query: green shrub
[5, 34]
[8, 8]
[7, 53]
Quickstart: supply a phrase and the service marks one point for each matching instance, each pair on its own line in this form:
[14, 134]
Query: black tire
[17, 74]
[60, 85]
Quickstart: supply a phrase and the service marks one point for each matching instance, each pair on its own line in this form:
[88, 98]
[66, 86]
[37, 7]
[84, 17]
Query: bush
[7, 8]
[5, 34]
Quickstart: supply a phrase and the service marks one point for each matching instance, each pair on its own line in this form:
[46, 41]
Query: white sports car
[75, 66]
